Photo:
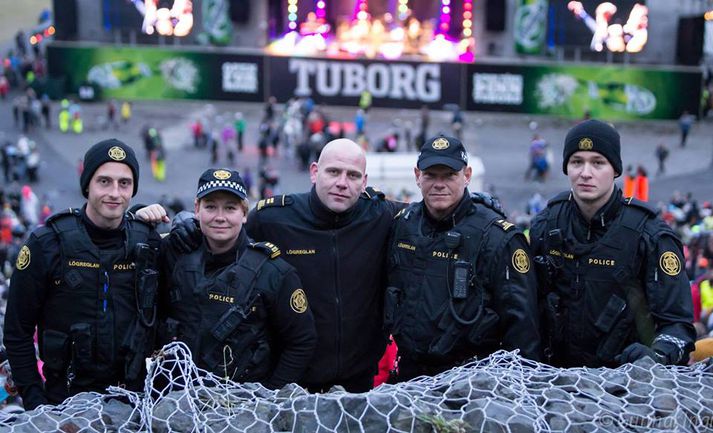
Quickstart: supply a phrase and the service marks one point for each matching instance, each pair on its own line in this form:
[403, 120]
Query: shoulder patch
[23, 258]
[298, 301]
[61, 214]
[267, 248]
[373, 193]
[276, 201]
[521, 261]
[503, 224]
[631, 201]
[670, 263]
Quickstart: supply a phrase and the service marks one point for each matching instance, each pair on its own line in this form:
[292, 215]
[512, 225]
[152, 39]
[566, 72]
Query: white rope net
[502, 393]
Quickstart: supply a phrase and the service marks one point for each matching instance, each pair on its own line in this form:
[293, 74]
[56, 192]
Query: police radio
[461, 267]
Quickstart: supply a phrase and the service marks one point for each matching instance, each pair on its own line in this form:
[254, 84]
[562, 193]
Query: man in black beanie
[77, 280]
[612, 284]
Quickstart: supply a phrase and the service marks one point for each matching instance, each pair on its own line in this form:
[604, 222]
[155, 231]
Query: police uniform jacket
[253, 297]
[341, 260]
[612, 281]
[75, 282]
[431, 326]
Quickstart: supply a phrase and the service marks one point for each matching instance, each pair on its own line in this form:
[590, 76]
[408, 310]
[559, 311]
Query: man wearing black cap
[239, 307]
[460, 283]
[612, 283]
[77, 280]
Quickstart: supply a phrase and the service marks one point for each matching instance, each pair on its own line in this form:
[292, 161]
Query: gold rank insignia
[505, 225]
[274, 251]
[221, 174]
[23, 258]
[440, 144]
[670, 263]
[117, 153]
[298, 301]
[586, 144]
[520, 261]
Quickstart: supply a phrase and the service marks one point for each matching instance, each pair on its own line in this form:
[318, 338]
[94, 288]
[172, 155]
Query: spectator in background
[684, 125]
[661, 156]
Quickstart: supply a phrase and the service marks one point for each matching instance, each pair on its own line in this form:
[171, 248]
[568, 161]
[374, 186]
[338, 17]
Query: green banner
[610, 92]
[158, 73]
[530, 25]
[607, 92]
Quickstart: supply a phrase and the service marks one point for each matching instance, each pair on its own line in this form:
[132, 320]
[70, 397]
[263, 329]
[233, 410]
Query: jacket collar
[465, 207]
[326, 217]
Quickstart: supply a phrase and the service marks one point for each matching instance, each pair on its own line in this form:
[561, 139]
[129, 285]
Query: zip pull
[105, 291]
[656, 274]
[602, 217]
[507, 273]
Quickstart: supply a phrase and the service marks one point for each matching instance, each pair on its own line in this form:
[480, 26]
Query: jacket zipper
[338, 301]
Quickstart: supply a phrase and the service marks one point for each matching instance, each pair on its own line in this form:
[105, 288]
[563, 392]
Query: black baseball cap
[442, 150]
[221, 179]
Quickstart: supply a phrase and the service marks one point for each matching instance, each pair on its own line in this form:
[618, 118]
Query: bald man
[335, 236]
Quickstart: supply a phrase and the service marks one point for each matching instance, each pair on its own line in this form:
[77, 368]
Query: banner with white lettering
[342, 82]
[159, 73]
[607, 92]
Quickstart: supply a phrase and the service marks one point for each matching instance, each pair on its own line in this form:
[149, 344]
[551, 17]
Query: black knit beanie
[594, 136]
[111, 150]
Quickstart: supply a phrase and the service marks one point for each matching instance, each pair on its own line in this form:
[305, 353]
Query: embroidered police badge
[221, 174]
[586, 144]
[670, 263]
[440, 144]
[520, 261]
[117, 153]
[23, 258]
[298, 301]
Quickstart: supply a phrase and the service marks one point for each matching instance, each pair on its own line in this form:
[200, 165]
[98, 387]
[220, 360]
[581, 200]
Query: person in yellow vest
[77, 124]
[365, 100]
[125, 111]
[63, 119]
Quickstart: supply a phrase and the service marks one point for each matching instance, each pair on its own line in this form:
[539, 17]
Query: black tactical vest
[223, 318]
[420, 307]
[91, 306]
[597, 285]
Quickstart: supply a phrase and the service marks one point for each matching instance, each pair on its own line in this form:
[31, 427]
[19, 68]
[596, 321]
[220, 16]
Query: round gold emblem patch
[221, 174]
[520, 261]
[23, 258]
[586, 144]
[440, 144]
[670, 263]
[117, 153]
[298, 301]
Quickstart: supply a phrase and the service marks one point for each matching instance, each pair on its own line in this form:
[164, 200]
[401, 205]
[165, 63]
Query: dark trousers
[362, 382]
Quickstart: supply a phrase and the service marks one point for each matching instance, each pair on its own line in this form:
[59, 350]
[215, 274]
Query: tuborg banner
[607, 92]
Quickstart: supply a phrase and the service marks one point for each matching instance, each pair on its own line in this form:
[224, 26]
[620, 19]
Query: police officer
[460, 278]
[87, 281]
[239, 307]
[612, 280]
[335, 236]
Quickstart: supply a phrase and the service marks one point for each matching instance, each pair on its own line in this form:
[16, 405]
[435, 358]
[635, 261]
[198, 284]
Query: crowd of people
[307, 287]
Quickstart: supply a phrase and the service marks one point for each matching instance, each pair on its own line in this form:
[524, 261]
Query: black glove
[488, 200]
[185, 236]
[637, 351]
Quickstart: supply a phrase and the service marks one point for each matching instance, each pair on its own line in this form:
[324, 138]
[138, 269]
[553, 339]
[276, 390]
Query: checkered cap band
[222, 185]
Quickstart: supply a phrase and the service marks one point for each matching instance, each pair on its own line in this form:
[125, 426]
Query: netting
[502, 393]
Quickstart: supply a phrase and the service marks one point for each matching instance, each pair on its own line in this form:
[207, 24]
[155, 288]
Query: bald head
[339, 175]
[343, 148]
